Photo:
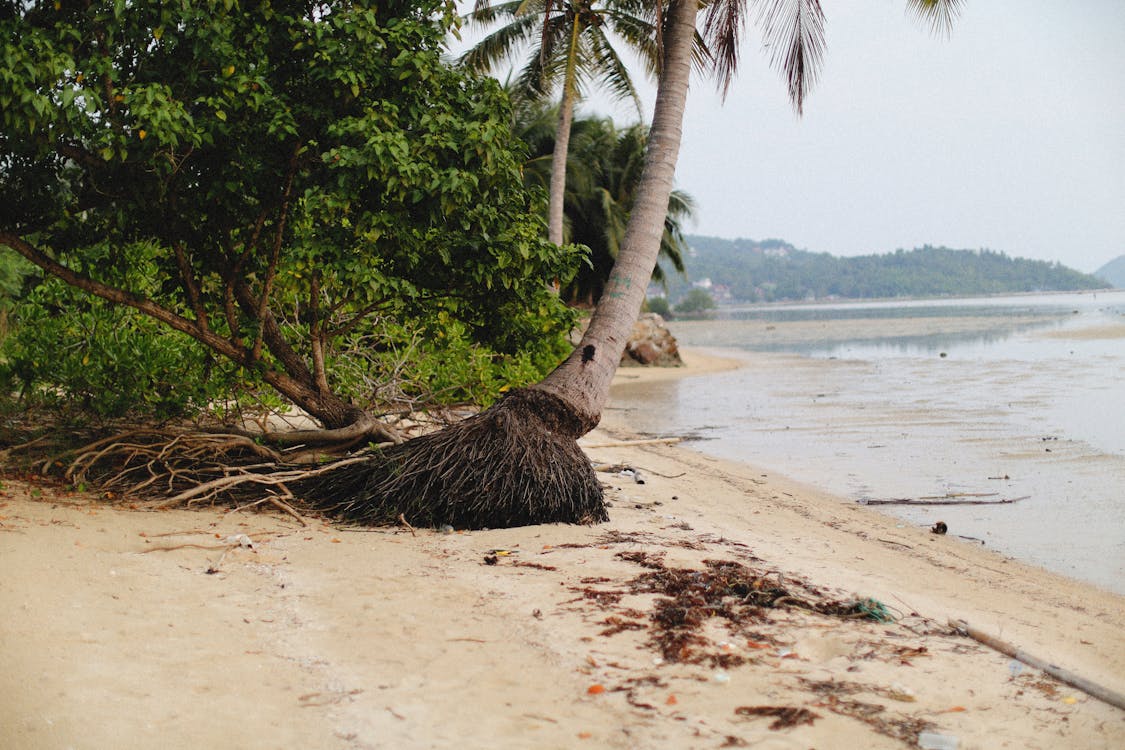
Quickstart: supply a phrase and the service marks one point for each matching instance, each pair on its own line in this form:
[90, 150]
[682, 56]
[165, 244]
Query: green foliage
[70, 350]
[772, 270]
[695, 302]
[438, 362]
[14, 274]
[298, 175]
[603, 167]
[658, 305]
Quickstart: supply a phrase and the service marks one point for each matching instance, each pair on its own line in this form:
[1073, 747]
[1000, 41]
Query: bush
[696, 301]
[659, 305]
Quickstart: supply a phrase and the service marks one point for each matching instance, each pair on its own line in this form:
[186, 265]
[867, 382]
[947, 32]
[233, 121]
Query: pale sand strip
[336, 639]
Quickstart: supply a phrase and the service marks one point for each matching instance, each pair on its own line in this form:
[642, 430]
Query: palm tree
[568, 47]
[606, 164]
[518, 462]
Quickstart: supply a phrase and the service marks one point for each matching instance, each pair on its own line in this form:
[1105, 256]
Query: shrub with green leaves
[271, 180]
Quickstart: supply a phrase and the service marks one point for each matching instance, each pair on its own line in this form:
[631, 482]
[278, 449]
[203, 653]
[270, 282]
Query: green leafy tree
[658, 305]
[293, 177]
[696, 301]
[568, 46]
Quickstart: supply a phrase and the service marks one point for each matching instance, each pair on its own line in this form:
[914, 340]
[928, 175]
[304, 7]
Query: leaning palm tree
[567, 48]
[518, 462]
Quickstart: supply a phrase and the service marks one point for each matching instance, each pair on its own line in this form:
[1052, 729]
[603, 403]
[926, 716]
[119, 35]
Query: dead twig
[631, 443]
[404, 522]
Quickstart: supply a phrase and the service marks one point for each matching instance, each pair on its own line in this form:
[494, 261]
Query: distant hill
[1113, 272]
[772, 270]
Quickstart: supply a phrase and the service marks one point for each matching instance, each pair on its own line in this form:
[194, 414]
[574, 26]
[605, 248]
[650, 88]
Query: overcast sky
[1008, 135]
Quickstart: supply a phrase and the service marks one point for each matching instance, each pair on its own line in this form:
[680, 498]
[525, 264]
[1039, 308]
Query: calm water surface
[1006, 397]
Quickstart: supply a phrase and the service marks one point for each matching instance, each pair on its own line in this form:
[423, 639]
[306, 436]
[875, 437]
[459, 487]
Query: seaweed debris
[876, 716]
[726, 590]
[784, 716]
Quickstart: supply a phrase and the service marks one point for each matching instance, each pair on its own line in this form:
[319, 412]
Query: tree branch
[191, 289]
[316, 335]
[275, 251]
[125, 298]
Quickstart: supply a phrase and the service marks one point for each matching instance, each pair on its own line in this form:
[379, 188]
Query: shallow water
[1018, 397]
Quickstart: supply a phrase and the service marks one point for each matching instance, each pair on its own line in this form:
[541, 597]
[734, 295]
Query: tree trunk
[558, 168]
[562, 140]
[583, 380]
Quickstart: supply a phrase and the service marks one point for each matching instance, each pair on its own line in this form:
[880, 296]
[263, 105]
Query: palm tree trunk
[562, 139]
[582, 381]
[558, 167]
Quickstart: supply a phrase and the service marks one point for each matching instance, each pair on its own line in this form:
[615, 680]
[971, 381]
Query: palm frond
[722, 29]
[639, 33]
[485, 13]
[794, 35]
[500, 45]
[940, 15]
[612, 74]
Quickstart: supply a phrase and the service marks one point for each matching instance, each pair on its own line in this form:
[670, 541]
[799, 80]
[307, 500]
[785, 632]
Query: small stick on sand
[630, 443]
[1090, 688]
[404, 522]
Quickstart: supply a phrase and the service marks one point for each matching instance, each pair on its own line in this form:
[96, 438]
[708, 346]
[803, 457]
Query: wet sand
[1018, 411]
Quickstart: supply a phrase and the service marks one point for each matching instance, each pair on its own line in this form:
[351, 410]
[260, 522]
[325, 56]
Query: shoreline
[123, 628]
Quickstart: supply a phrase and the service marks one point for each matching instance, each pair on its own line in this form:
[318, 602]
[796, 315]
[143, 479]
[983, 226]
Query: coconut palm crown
[568, 48]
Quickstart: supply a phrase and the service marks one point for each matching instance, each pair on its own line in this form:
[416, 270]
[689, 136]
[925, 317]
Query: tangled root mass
[514, 464]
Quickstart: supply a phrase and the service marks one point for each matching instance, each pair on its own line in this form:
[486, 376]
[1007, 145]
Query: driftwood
[1111, 697]
[630, 443]
[957, 499]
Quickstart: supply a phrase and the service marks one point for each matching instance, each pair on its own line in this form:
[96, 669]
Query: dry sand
[131, 629]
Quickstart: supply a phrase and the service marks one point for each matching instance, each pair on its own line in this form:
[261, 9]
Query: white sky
[1008, 135]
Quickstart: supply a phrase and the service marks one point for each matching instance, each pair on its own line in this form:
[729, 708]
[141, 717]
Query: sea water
[1009, 398]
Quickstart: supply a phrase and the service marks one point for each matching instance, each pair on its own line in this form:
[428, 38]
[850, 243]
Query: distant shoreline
[953, 298]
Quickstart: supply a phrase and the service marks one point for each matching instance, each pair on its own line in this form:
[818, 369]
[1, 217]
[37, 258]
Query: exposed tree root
[515, 464]
[363, 430]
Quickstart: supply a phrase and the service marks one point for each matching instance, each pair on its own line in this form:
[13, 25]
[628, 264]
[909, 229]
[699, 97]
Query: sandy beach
[209, 628]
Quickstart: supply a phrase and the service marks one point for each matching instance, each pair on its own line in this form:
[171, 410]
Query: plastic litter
[937, 741]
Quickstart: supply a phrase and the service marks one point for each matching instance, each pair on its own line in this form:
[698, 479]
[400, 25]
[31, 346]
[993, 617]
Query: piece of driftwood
[630, 443]
[1100, 692]
[948, 500]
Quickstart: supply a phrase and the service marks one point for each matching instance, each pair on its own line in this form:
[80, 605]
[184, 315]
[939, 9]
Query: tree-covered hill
[767, 270]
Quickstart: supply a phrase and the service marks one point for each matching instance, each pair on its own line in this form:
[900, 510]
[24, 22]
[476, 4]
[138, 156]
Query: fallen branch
[1090, 688]
[948, 500]
[630, 443]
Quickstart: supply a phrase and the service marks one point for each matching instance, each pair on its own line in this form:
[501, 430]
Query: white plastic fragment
[937, 741]
[241, 540]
